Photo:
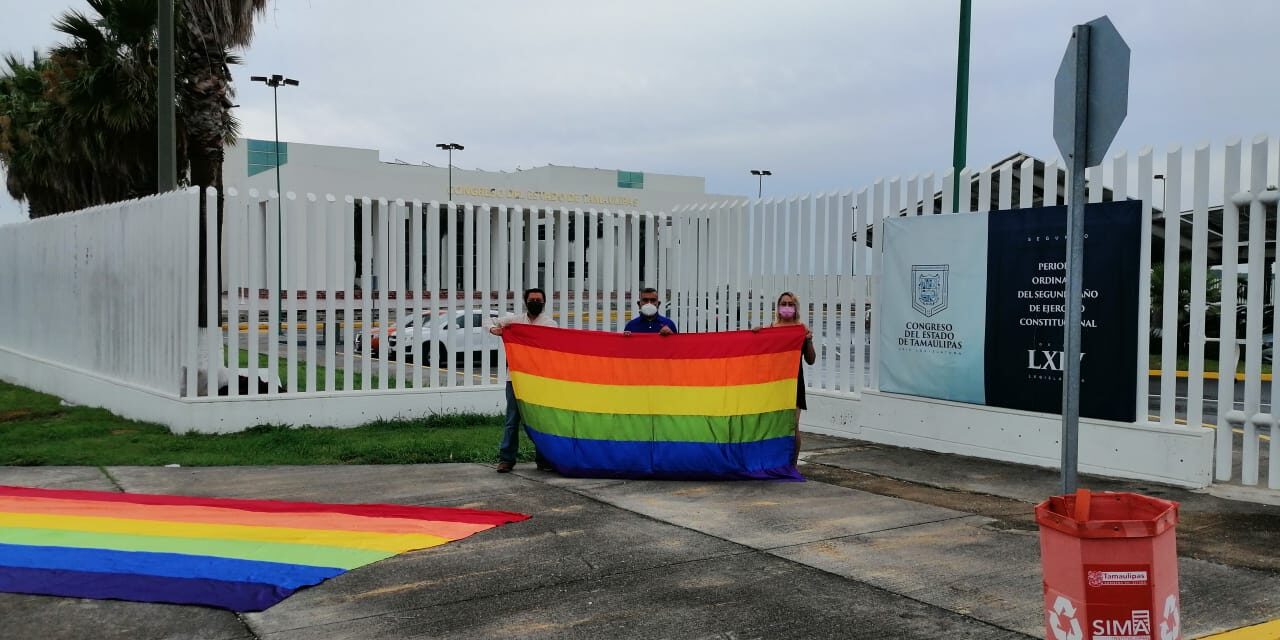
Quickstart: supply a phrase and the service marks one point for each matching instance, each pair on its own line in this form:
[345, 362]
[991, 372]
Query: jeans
[509, 448]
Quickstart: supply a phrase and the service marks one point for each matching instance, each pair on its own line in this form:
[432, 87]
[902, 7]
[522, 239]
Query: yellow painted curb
[1264, 631]
[1208, 375]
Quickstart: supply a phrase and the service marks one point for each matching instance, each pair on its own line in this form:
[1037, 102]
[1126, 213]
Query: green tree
[105, 77]
[1213, 306]
[209, 30]
[26, 118]
[78, 128]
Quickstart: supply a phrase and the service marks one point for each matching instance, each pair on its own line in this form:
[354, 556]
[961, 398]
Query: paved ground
[880, 543]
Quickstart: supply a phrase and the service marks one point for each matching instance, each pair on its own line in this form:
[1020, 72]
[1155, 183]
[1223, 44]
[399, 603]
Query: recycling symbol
[1061, 614]
[1171, 622]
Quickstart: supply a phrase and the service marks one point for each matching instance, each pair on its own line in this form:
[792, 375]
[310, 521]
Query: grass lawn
[35, 429]
[282, 370]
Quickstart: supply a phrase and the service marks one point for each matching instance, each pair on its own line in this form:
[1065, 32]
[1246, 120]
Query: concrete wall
[1171, 455]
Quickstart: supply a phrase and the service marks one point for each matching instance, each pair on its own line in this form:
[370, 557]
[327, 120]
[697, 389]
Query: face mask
[534, 306]
[786, 312]
[649, 309]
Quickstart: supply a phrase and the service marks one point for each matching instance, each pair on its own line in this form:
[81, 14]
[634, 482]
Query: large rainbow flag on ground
[709, 405]
[243, 555]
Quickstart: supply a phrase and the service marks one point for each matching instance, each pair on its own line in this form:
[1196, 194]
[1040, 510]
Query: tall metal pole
[166, 128]
[275, 108]
[959, 146]
[450, 199]
[1075, 269]
[760, 187]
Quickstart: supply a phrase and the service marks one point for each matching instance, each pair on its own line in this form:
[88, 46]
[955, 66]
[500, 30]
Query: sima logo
[929, 286]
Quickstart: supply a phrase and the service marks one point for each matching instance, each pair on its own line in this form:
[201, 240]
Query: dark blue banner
[1026, 279]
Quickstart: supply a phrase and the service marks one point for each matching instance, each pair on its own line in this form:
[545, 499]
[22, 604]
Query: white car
[466, 333]
[376, 341]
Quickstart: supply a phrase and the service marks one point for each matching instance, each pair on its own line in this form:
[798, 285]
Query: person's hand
[496, 330]
[626, 333]
[666, 331]
[808, 334]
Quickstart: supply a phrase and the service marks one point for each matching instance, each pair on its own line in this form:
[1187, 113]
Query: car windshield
[410, 321]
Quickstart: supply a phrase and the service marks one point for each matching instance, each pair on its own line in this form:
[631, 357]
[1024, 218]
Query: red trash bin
[1110, 567]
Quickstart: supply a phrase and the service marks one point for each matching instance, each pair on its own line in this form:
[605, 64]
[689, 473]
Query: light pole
[961, 140]
[1164, 186]
[761, 173]
[275, 81]
[450, 147]
[166, 129]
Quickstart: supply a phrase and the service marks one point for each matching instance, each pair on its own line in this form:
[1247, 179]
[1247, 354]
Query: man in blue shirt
[649, 320]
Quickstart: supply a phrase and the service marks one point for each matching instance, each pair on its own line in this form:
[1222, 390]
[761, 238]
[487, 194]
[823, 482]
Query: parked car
[450, 334]
[404, 331]
[375, 335]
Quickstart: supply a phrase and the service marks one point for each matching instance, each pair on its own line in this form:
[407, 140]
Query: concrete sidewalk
[880, 543]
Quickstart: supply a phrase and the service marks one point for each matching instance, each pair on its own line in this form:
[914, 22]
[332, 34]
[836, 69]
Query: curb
[1208, 375]
[1264, 631]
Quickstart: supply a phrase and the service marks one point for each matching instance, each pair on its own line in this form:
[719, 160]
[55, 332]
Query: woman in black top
[787, 313]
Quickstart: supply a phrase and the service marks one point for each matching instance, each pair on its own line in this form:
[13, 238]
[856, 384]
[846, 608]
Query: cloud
[826, 94]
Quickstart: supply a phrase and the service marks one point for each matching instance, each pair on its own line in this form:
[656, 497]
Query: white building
[345, 171]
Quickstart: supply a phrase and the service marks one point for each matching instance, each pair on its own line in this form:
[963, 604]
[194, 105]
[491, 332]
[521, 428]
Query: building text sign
[545, 196]
[971, 308]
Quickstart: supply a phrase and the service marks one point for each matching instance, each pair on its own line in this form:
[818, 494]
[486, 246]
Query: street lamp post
[166, 129]
[450, 147]
[760, 173]
[961, 141]
[275, 82]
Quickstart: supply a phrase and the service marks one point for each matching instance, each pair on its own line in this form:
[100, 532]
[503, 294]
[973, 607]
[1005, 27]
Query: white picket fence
[105, 299]
[806, 245]
[476, 260]
[102, 291]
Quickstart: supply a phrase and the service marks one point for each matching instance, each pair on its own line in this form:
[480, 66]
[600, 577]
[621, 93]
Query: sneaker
[506, 467]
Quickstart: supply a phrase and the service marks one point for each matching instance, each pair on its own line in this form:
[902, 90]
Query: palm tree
[79, 126]
[25, 118]
[107, 77]
[209, 28]
[62, 148]
[1213, 308]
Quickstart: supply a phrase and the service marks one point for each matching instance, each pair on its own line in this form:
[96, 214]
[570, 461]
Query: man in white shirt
[535, 301]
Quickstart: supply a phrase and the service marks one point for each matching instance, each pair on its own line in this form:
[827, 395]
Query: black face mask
[534, 306]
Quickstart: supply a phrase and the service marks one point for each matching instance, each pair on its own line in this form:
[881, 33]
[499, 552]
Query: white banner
[933, 307]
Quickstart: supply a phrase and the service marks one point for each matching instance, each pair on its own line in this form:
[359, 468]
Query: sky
[825, 94]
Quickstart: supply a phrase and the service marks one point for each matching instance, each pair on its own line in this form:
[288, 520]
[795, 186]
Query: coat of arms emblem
[929, 288]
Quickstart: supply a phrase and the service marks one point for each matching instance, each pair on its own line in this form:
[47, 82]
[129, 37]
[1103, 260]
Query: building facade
[343, 171]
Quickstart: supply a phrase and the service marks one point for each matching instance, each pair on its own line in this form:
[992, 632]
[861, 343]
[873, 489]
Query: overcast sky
[827, 95]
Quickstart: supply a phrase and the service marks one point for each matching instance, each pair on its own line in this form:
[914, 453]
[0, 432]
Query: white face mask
[649, 309]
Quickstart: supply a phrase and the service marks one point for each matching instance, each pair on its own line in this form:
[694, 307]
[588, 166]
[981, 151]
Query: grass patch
[339, 382]
[35, 429]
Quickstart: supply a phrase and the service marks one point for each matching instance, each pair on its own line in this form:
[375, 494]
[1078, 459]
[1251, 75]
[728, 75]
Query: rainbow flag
[243, 555]
[709, 405]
